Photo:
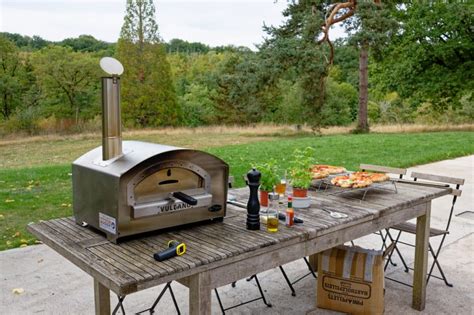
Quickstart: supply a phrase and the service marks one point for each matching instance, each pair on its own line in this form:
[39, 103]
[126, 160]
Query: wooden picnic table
[223, 252]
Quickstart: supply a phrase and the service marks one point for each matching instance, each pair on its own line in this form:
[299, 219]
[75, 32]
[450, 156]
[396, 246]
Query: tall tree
[295, 54]
[369, 25]
[148, 95]
[10, 86]
[370, 29]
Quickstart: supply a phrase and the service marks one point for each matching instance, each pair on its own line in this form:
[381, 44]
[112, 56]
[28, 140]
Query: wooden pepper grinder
[253, 206]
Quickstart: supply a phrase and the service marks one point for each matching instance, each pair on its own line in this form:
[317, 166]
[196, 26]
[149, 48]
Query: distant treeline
[422, 73]
[88, 43]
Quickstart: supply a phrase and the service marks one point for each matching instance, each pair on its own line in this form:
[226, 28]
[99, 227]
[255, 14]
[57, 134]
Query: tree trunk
[363, 125]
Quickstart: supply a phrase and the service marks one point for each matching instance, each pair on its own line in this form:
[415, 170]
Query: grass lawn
[44, 192]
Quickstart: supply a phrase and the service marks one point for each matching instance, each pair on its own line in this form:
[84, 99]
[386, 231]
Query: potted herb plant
[270, 178]
[300, 171]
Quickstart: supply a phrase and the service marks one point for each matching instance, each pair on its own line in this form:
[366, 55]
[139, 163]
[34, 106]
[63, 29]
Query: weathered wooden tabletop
[128, 267]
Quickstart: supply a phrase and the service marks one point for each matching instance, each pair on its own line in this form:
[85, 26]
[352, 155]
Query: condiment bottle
[290, 213]
[272, 213]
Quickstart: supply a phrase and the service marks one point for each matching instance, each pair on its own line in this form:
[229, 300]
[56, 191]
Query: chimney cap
[111, 65]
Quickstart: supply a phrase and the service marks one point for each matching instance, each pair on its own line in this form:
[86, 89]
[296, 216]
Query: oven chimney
[111, 122]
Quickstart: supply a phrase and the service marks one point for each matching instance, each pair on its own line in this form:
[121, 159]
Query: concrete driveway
[52, 285]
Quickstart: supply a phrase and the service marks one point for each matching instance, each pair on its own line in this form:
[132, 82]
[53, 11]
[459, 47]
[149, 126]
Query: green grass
[41, 193]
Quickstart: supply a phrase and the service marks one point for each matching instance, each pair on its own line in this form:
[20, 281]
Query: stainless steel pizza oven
[127, 188]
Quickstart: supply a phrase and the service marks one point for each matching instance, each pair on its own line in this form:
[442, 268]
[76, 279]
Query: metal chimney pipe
[111, 122]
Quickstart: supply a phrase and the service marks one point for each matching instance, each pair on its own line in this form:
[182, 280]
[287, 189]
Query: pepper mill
[253, 206]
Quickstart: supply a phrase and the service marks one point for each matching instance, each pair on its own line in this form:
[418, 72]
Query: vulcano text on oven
[174, 207]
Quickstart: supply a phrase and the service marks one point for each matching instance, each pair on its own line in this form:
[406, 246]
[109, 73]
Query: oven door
[169, 187]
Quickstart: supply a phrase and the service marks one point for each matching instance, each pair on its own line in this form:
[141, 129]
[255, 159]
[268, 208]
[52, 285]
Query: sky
[217, 22]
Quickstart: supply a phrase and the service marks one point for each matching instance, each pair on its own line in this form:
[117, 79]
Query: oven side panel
[95, 199]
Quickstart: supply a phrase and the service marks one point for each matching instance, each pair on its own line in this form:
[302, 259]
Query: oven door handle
[185, 198]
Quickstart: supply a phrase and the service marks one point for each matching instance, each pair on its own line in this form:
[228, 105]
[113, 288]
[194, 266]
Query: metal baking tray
[324, 184]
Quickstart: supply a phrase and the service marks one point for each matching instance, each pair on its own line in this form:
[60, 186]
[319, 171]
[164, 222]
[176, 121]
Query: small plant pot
[300, 192]
[264, 198]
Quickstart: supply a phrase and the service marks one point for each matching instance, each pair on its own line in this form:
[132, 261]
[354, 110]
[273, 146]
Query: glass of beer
[281, 187]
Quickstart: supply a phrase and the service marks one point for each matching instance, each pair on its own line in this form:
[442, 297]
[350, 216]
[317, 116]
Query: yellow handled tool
[175, 248]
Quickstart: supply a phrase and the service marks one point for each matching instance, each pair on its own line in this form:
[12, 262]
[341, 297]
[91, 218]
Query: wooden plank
[176, 264]
[421, 259]
[78, 234]
[235, 269]
[117, 262]
[384, 169]
[146, 257]
[131, 258]
[199, 294]
[185, 261]
[111, 277]
[150, 249]
[101, 299]
[438, 178]
[197, 250]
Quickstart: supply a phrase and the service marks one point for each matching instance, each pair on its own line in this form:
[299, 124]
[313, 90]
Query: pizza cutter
[334, 214]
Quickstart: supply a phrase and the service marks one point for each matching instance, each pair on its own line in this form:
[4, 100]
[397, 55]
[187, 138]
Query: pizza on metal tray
[322, 170]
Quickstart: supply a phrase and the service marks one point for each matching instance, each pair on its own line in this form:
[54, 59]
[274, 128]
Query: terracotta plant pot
[300, 192]
[264, 198]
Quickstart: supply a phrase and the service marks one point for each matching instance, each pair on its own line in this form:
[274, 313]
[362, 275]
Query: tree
[431, 58]
[370, 29]
[292, 52]
[10, 86]
[148, 95]
[86, 43]
[67, 77]
[369, 26]
[181, 46]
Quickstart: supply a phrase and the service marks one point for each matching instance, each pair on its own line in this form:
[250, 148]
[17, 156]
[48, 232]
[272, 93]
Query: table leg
[313, 261]
[421, 259]
[199, 294]
[102, 299]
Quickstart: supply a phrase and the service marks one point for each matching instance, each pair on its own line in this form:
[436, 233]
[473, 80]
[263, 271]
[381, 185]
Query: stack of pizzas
[359, 179]
[322, 171]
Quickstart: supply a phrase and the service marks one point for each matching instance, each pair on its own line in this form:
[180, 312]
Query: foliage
[300, 167]
[10, 85]
[87, 43]
[139, 24]
[270, 174]
[68, 77]
[431, 57]
[340, 107]
[148, 95]
[293, 53]
[25, 42]
[177, 45]
[419, 68]
[370, 29]
[198, 104]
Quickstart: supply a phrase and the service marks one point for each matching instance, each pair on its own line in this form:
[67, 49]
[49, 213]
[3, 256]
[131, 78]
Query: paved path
[52, 285]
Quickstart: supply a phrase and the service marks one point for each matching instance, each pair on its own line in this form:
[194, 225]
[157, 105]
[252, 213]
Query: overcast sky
[218, 22]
